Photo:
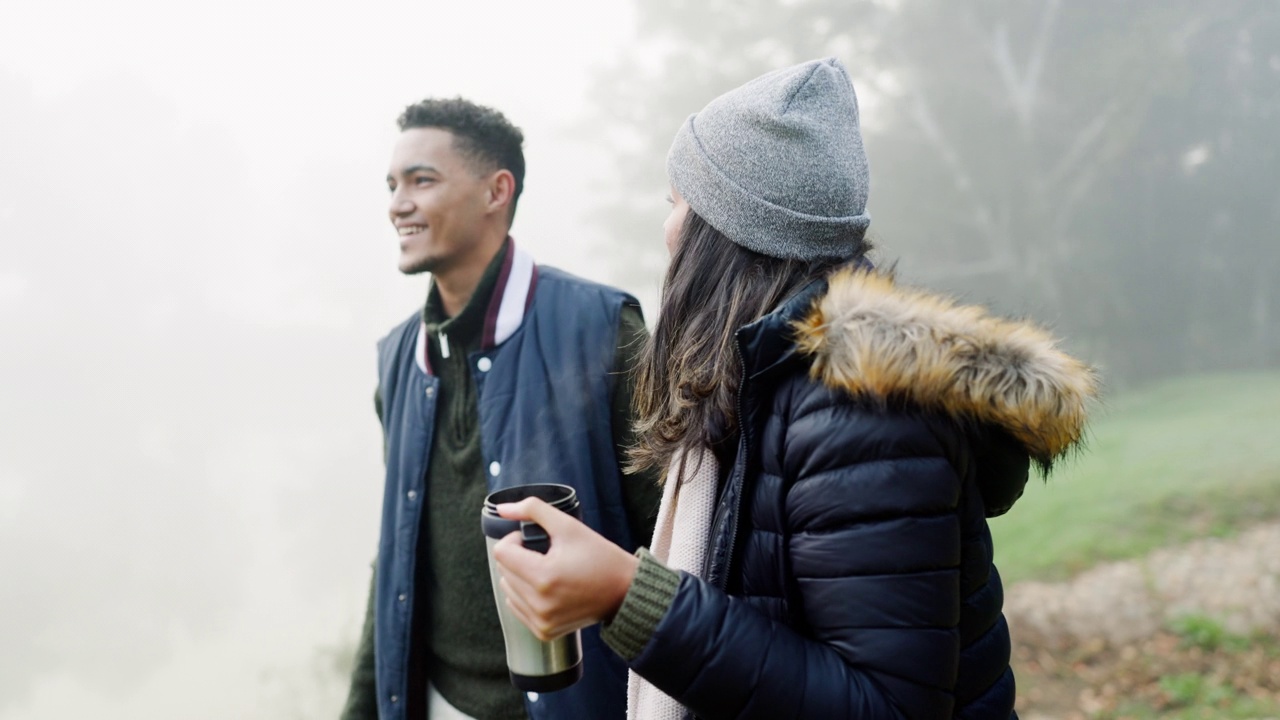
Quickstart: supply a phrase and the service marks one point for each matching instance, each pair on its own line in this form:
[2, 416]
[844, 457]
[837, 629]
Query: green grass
[1192, 696]
[1188, 458]
[1208, 634]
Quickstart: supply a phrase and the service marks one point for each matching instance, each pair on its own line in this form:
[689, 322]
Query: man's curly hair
[483, 135]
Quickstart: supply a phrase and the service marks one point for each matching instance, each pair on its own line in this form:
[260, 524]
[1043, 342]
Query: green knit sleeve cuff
[646, 602]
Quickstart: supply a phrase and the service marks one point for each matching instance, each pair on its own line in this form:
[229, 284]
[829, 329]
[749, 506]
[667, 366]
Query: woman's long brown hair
[689, 371]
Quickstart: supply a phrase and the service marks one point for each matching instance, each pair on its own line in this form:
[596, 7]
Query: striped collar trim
[512, 297]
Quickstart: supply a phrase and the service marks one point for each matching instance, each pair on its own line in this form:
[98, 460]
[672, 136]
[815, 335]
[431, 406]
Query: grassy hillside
[1186, 458]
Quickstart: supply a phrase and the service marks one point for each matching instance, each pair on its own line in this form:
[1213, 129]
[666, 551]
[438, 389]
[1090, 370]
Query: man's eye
[424, 180]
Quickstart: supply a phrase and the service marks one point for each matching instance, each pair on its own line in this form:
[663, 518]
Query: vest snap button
[533, 696]
[494, 468]
[484, 364]
[431, 391]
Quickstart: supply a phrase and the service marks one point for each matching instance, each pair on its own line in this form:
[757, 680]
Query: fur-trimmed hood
[873, 338]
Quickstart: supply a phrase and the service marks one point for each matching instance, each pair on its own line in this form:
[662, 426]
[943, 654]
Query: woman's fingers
[551, 519]
[522, 582]
[525, 591]
[581, 580]
[520, 608]
[516, 510]
[513, 557]
[540, 607]
[544, 626]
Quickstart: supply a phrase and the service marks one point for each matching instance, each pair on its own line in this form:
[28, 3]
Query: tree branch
[1023, 87]
[1087, 136]
[1035, 66]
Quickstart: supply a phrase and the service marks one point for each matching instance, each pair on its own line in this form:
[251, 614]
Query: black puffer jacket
[850, 573]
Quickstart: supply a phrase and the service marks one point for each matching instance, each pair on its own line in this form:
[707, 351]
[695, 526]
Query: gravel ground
[1085, 647]
[1236, 581]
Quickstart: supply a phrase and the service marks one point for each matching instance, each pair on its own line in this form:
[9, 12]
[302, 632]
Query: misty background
[196, 262]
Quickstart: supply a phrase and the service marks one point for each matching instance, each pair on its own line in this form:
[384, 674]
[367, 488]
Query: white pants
[439, 709]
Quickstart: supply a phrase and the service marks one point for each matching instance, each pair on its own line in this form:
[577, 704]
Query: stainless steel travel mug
[534, 665]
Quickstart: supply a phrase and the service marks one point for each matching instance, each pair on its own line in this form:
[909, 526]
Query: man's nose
[400, 205]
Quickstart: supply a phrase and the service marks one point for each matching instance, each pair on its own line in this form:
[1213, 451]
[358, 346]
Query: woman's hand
[579, 582]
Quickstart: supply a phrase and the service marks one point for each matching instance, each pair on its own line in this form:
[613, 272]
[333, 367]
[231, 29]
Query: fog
[195, 264]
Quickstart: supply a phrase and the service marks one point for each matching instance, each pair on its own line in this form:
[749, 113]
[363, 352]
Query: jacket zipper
[723, 581]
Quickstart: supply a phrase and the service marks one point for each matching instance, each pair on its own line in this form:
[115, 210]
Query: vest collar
[511, 299]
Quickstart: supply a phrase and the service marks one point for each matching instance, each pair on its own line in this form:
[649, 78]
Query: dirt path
[1236, 581]
[1087, 646]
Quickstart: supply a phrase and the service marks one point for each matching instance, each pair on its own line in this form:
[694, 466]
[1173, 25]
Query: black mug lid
[561, 497]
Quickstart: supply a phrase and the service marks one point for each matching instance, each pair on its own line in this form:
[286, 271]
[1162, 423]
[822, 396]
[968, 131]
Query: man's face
[438, 201]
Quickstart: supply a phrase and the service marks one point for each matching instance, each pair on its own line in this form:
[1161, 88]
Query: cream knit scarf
[679, 541]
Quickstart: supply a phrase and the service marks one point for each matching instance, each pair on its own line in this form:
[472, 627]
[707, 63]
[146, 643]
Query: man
[512, 373]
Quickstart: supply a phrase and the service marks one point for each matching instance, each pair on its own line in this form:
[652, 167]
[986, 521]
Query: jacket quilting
[851, 572]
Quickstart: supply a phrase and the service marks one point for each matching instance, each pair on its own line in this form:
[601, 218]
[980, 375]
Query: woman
[834, 445]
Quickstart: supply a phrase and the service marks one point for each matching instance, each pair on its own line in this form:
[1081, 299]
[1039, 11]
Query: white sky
[194, 560]
[295, 85]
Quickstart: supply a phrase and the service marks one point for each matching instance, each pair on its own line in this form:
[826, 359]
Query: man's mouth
[411, 230]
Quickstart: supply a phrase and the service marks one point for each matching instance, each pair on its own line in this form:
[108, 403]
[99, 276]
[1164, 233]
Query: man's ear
[502, 191]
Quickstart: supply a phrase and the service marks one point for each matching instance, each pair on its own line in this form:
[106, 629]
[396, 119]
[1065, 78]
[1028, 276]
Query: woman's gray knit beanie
[778, 165]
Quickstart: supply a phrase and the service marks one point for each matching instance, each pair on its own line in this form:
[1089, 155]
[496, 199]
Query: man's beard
[425, 265]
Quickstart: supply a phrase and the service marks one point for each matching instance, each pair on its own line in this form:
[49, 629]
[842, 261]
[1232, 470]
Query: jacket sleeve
[871, 554]
[362, 698]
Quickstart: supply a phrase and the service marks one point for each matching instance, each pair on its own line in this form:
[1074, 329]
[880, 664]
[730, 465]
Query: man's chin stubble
[420, 267]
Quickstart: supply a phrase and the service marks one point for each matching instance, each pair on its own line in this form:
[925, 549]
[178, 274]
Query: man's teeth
[412, 230]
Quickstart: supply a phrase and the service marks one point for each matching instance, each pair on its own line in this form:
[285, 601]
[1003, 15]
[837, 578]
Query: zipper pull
[444, 345]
